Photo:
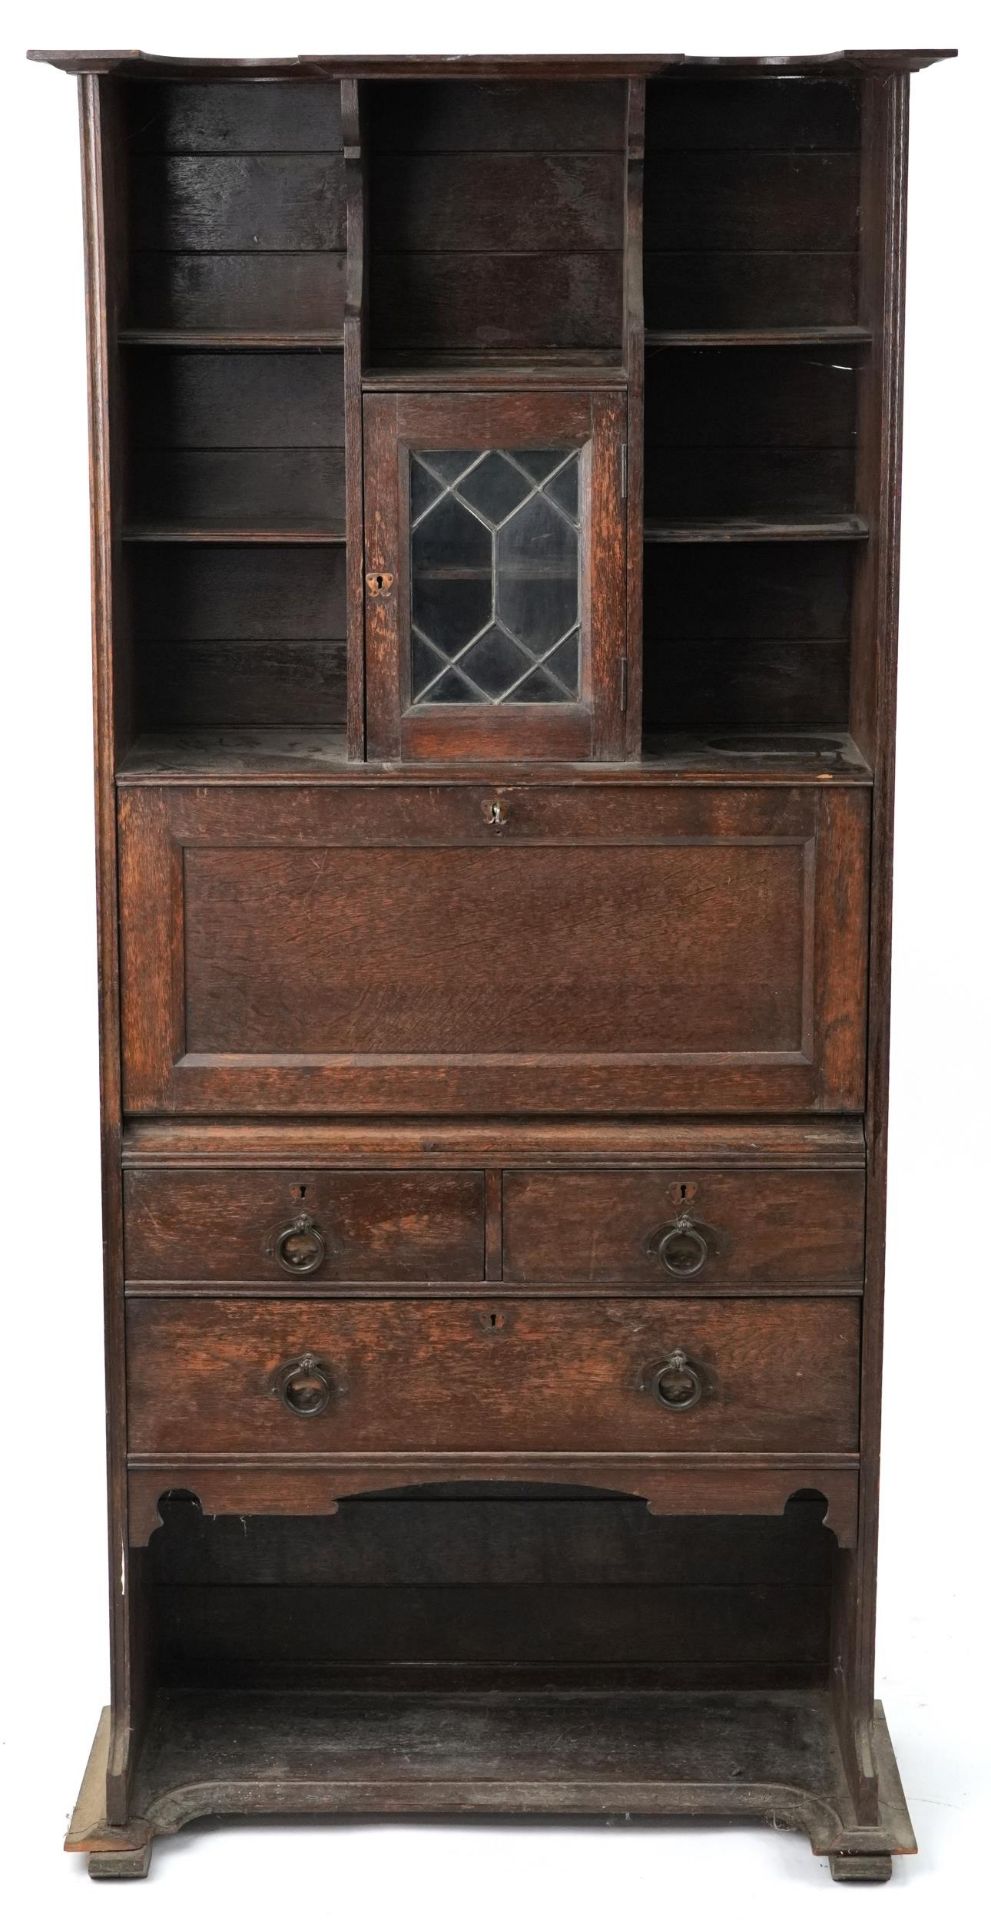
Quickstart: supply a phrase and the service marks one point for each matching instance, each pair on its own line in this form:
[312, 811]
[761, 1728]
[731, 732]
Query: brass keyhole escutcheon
[379, 584]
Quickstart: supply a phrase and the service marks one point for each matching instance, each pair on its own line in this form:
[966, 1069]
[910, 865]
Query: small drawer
[276, 1230]
[462, 1376]
[740, 1231]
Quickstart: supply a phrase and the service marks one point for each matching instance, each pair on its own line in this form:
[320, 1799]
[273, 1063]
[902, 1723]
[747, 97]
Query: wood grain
[778, 1375]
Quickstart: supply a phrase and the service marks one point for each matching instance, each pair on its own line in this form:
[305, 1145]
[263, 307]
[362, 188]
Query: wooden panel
[724, 928]
[224, 400]
[766, 115]
[484, 302]
[236, 117]
[734, 202]
[746, 683]
[698, 482]
[290, 1633]
[497, 203]
[222, 593]
[486, 1532]
[427, 116]
[254, 683]
[233, 203]
[753, 289]
[203, 1230]
[779, 1376]
[254, 291]
[761, 592]
[264, 976]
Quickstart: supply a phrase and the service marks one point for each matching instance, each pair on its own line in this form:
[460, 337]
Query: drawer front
[243, 1376]
[272, 1229]
[708, 1231]
[400, 950]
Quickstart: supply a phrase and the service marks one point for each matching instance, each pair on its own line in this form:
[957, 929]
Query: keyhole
[297, 1193]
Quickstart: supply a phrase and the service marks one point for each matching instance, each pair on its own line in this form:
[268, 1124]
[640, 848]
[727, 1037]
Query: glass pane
[495, 576]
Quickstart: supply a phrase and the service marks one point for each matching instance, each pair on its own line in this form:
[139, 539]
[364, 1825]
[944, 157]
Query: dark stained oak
[776, 1376]
[769, 1231]
[219, 1230]
[475, 1077]
[270, 977]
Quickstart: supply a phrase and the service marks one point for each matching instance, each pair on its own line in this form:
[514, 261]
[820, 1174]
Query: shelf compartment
[224, 635]
[751, 192]
[497, 223]
[235, 208]
[837, 526]
[234, 445]
[750, 634]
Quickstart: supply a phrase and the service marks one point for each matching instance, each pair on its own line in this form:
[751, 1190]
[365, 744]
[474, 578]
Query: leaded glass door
[495, 574]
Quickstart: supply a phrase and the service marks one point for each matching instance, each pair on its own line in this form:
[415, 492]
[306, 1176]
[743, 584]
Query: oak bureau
[495, 468]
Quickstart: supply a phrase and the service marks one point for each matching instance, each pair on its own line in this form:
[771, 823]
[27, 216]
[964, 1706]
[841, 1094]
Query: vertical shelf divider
[354, 357]
[633, 360]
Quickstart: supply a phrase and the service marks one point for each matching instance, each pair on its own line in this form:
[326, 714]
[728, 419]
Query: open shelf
[765, 1753]
[217, 338]
[827, 526]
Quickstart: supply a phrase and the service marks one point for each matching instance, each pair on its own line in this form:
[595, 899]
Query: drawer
[233, 1376]
[271, 1229]
[710, 1231]
[389, 951]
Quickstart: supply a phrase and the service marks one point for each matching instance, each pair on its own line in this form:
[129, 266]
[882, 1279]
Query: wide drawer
[275, 1229]
[711, 1231]
[492, 950]
[343, 1376]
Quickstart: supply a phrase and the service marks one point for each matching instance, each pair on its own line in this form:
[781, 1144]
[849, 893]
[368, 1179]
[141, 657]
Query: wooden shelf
[158, 533]
[441, 373]
[827, 526]
[218, 338]
[769, 1754]
[758, 337]
[309, 754]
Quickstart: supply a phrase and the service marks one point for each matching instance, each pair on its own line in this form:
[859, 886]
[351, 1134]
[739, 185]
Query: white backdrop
[933, 1600]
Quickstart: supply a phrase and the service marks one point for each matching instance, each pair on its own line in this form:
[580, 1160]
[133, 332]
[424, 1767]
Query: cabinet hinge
[622, 470]
[624, 679]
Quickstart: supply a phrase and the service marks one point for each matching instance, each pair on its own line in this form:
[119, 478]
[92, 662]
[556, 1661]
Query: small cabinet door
[509, 948]
[495, 558]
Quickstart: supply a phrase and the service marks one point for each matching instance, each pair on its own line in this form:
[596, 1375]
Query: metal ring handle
[301, 1247]
[682, 1229]
[677, 1366]
[304, 1387]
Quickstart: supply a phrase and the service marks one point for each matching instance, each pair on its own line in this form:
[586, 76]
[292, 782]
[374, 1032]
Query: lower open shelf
[643, 1754]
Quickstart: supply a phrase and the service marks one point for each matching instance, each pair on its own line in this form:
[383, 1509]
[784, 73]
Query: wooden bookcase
[496, 478]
